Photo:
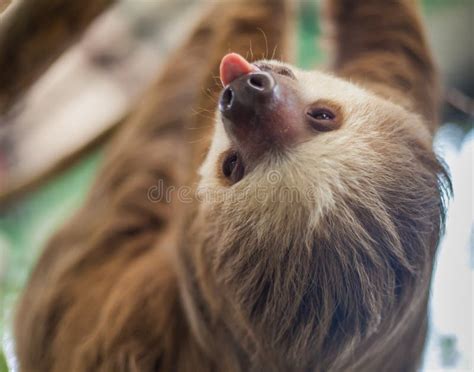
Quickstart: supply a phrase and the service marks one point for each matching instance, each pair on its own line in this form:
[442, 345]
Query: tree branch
[35, 35]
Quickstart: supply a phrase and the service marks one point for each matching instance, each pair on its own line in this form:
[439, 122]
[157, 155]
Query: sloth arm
[96, 285]
[381, 45]
[230, 26]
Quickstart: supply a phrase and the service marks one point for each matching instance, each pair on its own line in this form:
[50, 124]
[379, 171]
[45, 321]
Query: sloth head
[324, 201]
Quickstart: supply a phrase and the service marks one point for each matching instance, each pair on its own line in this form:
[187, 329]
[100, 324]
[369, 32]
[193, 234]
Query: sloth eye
[321, 114]
[322, 119]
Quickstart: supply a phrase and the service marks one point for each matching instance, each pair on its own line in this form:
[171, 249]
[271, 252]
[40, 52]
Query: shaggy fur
[319, 259]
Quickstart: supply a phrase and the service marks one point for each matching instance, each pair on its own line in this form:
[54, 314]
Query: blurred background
[52, 137]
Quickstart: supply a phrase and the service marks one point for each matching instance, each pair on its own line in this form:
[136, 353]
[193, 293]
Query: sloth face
[311, 179]
[308, 135]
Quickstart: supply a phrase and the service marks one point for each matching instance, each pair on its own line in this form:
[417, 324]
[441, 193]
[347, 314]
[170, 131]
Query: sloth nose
[243, 96]
[262, 83]
[246, 88]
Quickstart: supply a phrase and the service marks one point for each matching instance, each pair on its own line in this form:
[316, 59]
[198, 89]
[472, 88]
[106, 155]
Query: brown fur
[132, 285]
[383, 47]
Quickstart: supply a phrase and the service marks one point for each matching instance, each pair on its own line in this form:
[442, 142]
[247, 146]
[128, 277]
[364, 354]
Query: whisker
[274, 51]
[198, 140]
[251, 51]
[266, 41]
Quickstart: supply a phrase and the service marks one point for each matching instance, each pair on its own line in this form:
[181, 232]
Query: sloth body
[311, 242]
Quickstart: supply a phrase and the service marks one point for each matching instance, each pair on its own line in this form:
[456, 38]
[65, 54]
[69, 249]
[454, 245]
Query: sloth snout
[247, 105]
[259, 109]
[245, 88]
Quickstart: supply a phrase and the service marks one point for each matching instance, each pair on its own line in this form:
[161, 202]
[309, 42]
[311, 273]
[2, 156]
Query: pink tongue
[232, 66]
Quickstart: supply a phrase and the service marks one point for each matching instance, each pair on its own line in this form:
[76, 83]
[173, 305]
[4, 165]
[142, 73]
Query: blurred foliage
[3, 362]
[436, 5]
[308, 51]
[27, 224]
[449, 354]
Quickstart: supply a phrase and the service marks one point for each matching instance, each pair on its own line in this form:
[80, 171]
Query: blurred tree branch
[460, 101]
[4, 4]
[35, 35]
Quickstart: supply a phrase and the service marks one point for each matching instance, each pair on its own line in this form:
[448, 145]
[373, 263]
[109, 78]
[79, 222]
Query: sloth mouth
[233, 167]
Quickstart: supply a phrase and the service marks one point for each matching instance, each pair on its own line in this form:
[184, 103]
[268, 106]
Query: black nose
[262, 83]
[245, 94]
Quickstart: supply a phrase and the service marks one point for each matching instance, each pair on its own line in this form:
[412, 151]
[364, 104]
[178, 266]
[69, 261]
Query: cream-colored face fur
[307, 178]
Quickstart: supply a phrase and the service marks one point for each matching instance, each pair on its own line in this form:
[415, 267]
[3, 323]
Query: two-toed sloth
[333, 275]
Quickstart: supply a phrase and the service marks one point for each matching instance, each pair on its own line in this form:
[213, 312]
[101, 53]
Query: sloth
[322, 209]
[310, 241]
